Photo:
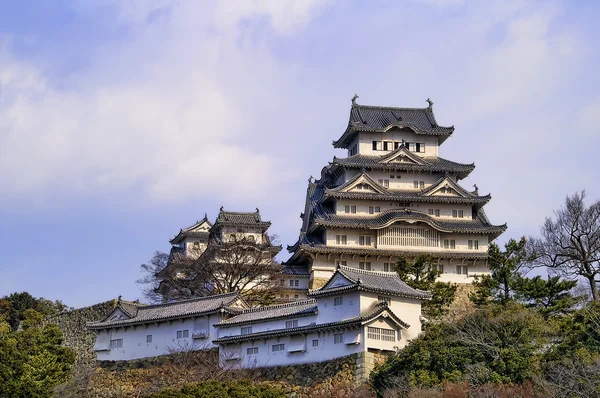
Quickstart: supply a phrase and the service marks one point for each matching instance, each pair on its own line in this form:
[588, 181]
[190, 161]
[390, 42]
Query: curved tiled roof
[373, 281]
[169, 311]
[380, 119]
[313, 327]
[253, 315]
[241, 218]
[432, 164]
[389, 217]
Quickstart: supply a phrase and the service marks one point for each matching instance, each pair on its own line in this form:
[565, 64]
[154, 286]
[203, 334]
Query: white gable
[337, 281]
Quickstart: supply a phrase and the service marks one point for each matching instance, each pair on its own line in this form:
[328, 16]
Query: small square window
[437, 212]
[338, 338]
[371, 209]
[386, 267]
[337, 301]
[315, 343]
[353, 209]
[186, 334]
[149, 338]
[252, 350]
[291, 324]
[377, 209]
[179, 334]
[346, 209]
[422, 184]
[246, 330]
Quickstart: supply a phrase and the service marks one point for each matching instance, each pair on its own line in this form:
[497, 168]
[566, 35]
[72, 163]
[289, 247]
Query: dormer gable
[403, 155]
[360, 183]
[446, 186]
[338, 280]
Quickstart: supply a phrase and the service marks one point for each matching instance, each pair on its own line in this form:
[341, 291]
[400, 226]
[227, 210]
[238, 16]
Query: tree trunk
[594, 288]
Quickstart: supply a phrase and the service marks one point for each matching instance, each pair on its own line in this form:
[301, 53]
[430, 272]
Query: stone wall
[72, 323]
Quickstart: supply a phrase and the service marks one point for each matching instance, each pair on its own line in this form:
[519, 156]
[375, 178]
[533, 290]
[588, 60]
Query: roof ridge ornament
[430, 102]
[354, 99]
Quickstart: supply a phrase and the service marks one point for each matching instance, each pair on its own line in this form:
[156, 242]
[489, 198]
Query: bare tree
[569, 244]
[237, 265]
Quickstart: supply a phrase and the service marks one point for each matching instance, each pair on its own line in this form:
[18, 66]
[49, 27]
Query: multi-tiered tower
[393, 196]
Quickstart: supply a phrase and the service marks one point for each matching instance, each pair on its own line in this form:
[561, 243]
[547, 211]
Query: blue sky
[123, 121]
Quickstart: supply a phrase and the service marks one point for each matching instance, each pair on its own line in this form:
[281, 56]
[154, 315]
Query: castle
[392, 196]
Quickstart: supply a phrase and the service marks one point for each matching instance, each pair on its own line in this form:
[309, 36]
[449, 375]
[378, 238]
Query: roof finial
[430, 102]
[310, 179]
[354, 99]
[205, 216]
[257, 210]
[221, 209]
[119, 299]
[476, 188]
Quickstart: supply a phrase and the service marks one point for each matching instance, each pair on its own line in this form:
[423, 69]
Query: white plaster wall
[365, 146]
[352, 239]
[383, 323]
[407, 309]
[402, 180]
[362, 208]
[164, 339]
[264, 326]
[326, 350]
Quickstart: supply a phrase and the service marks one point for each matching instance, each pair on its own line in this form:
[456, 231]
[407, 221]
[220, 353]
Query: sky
[122, 121]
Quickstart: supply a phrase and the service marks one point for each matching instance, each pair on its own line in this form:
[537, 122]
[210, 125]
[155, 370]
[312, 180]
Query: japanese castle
[392, 196]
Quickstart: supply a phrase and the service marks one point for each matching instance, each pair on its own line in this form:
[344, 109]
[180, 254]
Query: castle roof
[271, 312]
[198, 230]
[347, 279]
[382, 118]
[138, 314]
[231, 218]
[380, 309]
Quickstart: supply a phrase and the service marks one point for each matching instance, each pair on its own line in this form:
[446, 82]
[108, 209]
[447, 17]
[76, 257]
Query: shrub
[224, 389]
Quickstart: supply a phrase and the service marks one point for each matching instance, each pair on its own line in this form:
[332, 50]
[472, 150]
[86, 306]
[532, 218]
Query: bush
[224, 389]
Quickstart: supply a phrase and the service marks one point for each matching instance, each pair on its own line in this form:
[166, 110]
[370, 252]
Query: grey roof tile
[379, 282]
[175, 310]
[297, 308]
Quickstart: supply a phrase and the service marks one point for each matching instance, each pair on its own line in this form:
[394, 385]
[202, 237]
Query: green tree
[422, 274]
[33, 360]
[13, 307]
[551, 296]
[497, 344]
[506, 267]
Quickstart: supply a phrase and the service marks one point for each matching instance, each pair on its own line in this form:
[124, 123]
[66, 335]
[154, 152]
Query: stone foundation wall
[317, 283]
[77, 337]
[461, 305]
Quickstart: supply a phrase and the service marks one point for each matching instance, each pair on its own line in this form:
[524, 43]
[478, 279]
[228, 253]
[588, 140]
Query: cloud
[164, 112]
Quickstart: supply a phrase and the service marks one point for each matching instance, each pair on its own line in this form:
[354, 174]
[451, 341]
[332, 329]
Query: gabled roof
[295, 270]
[360, 178]
[347, 279]
[380, 309]
[198, 229]
[170, 311]
[232, 218]
[402, 155]
[430, 164]
[261, 314]
[381, 119]
[412, 195]
[388, 217]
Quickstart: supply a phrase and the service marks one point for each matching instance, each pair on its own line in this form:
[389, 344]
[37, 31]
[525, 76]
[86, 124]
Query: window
[419, 184]
[149, 338]
[454, 213]
[252, 350]
[374, 145]
[338, 301]
[430, 211]
[416, 184]
[443, 190]
[315, 343]
[295, 296]
[346, 209]
[183, 334]
[386, 267]
[117, 343]
[383, 299]
[385, 146]
[338, 338]
[294, 282]
[246, 330]
[418, 147]
[196, 245]
[449, 244]
[340, 262]
[364, 240]
[291, 324]
[476, 244]
[437, 212]
[440, 268]
[396, 145]
[391, 176]
[462, 269]
[407, 145]
[460, 214]
[422, 184]
[341, 239]
[377, 209]
[353, 209]
[365, 265]
[385, 183]
[277, 347]
[381, 334]
[371, 209]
